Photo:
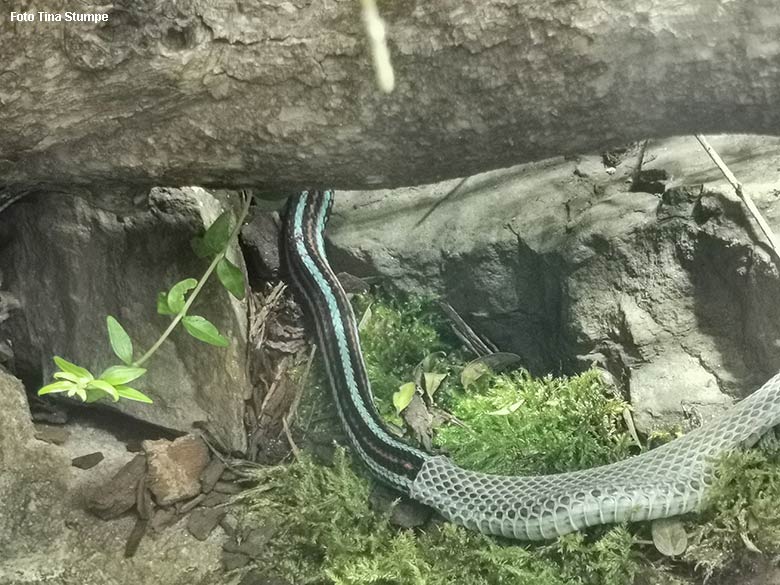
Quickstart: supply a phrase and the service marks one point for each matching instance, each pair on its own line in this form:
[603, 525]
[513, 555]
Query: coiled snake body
[670, 480]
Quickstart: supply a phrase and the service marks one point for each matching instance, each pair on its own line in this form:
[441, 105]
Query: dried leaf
[432, 382]
[669, 536]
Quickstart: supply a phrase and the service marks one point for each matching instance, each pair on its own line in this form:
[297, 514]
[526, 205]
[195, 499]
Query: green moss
[742, 512]
[330, 535]
[514, 424]
[395, 337]
[524, 425]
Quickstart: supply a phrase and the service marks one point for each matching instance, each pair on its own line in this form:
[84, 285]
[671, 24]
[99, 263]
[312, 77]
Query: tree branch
[281, 94]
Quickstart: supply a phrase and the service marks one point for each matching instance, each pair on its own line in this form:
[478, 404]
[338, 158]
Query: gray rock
[259, 577]
[72, 261]
[560, 263]
[56, 435]
[211, 474]
[202, 521]
[87, 461]
[260, 242]
[33, 478]
[232, 561]
[119, 494]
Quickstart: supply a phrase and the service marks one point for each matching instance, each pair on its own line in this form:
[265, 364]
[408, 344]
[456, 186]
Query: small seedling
[78, 381]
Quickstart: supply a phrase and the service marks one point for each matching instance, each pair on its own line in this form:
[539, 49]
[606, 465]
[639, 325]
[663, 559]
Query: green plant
[742, 517]
[511, 423]
[398, 335]
[523, 425]
[330, 535]
[75, 380]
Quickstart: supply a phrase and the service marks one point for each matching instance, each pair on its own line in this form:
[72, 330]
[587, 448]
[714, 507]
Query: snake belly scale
[667, 481]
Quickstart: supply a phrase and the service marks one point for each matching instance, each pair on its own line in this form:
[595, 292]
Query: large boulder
[560, 262]
[33, 479]
[72, 260]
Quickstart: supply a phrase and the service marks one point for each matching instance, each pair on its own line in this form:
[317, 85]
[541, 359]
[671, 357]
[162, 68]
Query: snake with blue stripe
[670, 480]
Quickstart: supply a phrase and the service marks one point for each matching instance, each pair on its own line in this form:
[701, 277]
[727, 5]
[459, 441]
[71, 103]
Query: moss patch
[742, 516]
[330, 535]
[515, 424]
[523, 425]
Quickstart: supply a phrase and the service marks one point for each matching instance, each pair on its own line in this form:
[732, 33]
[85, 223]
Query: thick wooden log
[281, 94]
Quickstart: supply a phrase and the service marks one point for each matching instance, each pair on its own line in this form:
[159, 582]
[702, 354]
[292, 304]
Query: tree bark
[280, 94]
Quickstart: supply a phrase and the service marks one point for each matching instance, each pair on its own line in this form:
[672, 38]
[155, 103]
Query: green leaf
[133, 394]
[176, 294]
[116, 375]
[62, 386]
[78, 389]
[432, 382]
[507, 410]
[120, 340]
[94, 395]
[72, 368]
[66, 376]
[403, 397]
[231, 278]
[216, 237]
[430, 363]
[200, 249]
[162, 304]
[203, 330]
[104, 387]
[669, 536]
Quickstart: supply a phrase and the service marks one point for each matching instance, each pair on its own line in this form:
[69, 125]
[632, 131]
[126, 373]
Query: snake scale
[670, 480]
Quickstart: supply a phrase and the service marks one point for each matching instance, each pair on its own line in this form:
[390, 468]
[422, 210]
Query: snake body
[667, 481]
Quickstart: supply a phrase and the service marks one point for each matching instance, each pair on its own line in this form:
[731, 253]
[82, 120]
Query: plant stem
[181, 314]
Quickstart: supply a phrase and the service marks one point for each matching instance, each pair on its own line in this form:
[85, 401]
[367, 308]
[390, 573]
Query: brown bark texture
[280, 94]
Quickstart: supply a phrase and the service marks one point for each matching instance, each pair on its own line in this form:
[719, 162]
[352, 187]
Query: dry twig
[740, 193]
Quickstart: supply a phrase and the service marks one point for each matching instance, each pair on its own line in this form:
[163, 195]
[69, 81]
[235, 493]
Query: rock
[260, 242]
[184, 507]
[47, 536]
[119, 494]
[211, 475]
[137, 534]
[163, 518]
[250, 544]
[231, 561]
[87, 461]
[259, 577]
[563, 266]
[56, 435]
[229, 524]
[105, 255]
[214, 499]
[226, 487]
[404, 512]
[175, 468]
[650, 181]
[33, 479]
[202, 521]
[49, 412]
[661, 393]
